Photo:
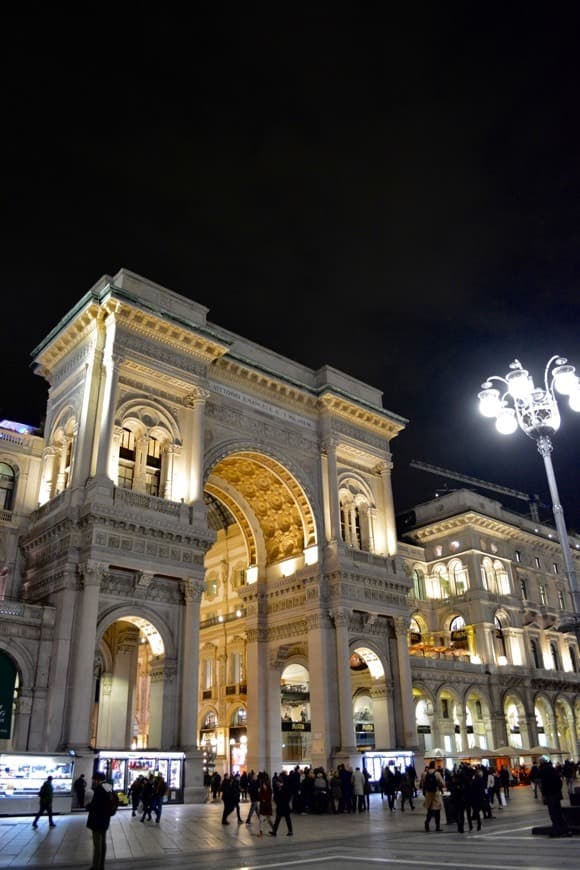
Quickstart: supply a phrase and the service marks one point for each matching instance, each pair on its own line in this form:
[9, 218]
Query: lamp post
[535, 410]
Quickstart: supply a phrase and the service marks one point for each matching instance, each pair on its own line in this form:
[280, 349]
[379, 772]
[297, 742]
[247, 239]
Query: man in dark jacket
[282, 797]
[99, 818]
[551, 788]
[45, 803]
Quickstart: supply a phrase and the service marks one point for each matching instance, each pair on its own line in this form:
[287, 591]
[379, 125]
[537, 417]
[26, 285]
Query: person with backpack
[432, 785]
[159, 792]
[99, 818]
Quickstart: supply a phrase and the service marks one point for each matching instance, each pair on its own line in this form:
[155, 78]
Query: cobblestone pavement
[193, 836]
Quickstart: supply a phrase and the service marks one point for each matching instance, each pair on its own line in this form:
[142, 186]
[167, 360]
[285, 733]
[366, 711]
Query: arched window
[414, 632]
[458, 577]
[500, 642]
[7, 486]
[356, 527]
[535, 654]
[502, 581]
[488, 576]
[457, 623]
[444, 588]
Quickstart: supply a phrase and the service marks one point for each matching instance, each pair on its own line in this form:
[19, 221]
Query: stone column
[48, 476]
[123, 684]
[383, 736]
[105, 709]
[409, 737]
[193, 791]
[389, 534]
[80, 697]
[168, 471]
[157, 677]
[345, 716]
[108, 409]
[323, 693]
[84, 461]
[192, 591]
[195, 439]
[330, 489]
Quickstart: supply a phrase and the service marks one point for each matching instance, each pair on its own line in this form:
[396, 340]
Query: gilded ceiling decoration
[278, 502]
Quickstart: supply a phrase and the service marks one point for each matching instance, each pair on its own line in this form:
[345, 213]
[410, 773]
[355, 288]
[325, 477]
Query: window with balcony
[356, 511]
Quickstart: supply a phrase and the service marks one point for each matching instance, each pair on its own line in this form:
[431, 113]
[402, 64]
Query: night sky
[399, 199]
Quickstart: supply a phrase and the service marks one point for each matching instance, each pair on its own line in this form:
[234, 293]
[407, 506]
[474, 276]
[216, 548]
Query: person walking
[147, 796]
[80, 787]
[254, 795]
[99, 818]
[216, 782]
[477, 789]
[159, 792]
[236, 796]
[282, 797]
[432, 785]
[265, 801]
[135, 792]
[358, 789]
[407, 790]
[226, 793]
[45, 796]
[535, 778]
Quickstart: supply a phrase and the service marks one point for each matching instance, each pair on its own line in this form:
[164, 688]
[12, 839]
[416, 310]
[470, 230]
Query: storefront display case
[22, 774]
[122, 768]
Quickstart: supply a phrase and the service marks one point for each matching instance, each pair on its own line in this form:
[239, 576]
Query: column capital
[328, 444]
[192, 590]
[401, 624]
[92, 573]
[197, 396]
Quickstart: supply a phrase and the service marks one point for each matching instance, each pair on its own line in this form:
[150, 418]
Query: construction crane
[532, 501]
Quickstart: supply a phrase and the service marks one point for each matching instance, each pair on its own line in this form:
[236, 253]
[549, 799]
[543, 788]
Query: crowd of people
[470, 794]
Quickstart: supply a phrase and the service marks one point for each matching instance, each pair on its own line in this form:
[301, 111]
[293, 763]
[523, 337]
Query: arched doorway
[369, 701]
[130, 673]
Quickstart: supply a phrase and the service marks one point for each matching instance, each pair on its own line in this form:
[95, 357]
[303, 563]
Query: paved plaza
[193, 836]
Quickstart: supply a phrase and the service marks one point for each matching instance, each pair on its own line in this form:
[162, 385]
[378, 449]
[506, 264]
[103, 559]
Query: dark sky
[398, 198]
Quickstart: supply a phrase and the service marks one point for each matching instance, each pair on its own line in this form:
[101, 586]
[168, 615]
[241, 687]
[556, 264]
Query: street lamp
[535, 410]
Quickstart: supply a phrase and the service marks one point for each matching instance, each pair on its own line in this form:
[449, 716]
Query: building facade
[201, 557]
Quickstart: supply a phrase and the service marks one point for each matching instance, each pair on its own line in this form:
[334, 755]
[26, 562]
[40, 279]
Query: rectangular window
[555, 567]
[152, 483]
[125, 476]
[524, 588]
[537, 562]
[207, 673]
[445, 708]
[561, 600]
[518, 556]
[542, 591]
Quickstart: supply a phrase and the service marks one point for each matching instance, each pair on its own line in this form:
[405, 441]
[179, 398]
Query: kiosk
[22, 774]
